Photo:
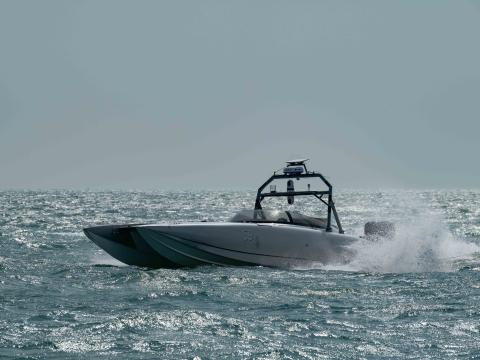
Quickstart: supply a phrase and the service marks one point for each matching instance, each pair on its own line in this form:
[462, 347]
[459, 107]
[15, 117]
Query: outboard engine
[375, 230]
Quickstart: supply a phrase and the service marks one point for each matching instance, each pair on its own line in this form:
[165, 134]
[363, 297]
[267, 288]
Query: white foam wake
[416, 247]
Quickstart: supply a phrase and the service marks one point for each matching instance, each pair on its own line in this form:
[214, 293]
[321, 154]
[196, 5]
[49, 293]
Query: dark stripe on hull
[183, 252]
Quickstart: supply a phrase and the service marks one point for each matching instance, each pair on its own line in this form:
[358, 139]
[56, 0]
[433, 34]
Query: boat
[252, 237]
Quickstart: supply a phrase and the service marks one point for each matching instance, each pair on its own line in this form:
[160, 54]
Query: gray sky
[217, 94]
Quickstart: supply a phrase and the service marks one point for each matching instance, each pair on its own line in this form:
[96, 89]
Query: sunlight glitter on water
[414, 296]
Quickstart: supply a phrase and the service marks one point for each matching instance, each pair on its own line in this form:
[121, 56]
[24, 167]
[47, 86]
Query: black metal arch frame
[318, 194]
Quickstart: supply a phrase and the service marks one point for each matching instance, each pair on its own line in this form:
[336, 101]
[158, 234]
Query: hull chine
[184, 252]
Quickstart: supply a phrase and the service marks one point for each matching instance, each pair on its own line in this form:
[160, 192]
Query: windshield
[277, 216]
[261, 216]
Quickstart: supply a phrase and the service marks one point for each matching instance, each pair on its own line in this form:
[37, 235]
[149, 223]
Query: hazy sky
[217, 94]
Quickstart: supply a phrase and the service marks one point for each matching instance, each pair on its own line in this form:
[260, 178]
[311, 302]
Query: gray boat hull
[226, 244]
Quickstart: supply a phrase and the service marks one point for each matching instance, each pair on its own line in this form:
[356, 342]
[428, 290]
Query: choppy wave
[413, 296]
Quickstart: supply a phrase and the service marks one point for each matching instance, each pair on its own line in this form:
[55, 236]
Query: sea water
[414, 296]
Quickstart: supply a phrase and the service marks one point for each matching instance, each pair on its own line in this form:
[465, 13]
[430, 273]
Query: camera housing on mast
[295, 167]
[290, 188]
[293, 170]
